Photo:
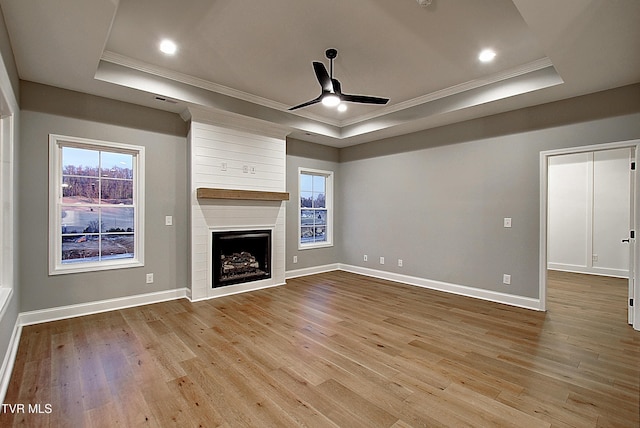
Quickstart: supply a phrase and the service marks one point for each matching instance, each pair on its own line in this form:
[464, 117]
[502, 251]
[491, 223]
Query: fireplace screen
[240, 256]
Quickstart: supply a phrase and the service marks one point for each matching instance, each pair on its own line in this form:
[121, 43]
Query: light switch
[507, 222]
[168, 220]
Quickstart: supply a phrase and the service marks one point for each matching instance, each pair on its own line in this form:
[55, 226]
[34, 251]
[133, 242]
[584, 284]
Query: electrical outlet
[594, 257]
[366, 258]
[295, 259]
[399, 262]
[149, 278]
[506, 279]
[252, 169]
[381, 260]
[223, 167]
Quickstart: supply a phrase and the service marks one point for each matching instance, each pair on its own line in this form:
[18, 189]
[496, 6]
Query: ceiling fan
[331, 89]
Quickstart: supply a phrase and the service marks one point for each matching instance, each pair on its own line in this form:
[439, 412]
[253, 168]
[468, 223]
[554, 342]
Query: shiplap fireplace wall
[234, 153]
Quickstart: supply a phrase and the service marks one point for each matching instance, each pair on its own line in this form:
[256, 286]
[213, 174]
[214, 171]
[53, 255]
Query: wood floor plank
[338, 350]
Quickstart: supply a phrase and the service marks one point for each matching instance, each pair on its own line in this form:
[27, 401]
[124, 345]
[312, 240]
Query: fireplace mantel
[250, 195]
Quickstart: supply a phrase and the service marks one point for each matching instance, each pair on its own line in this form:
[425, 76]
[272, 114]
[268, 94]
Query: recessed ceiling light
[342, 107]
[487, 55]
[168, 47]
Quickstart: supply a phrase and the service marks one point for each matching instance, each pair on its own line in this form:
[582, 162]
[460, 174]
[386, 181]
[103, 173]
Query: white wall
[589, 202]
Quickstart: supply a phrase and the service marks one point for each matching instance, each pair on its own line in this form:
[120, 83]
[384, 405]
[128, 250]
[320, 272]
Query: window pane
[83, 248]
[320, 218]
[306, 183]
[320, 234]
[307, 217]
[116, 165]
[306, 199]
[306, 234]
[79, 190]
[116, 192]
[117, 219]
[80, 161]
[117, 246]
[319, 200]
[319, 183]
[79, 220]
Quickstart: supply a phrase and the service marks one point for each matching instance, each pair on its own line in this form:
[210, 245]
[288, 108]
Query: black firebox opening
[240, 256]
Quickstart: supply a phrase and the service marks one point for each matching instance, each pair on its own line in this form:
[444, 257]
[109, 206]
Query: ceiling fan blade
[364, 99]
[308, 103]
[323, 76]
[337, 87]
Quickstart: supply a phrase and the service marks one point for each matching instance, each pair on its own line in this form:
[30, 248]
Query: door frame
[635, 221]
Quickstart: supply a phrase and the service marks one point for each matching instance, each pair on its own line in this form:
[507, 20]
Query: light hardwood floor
[338, 349]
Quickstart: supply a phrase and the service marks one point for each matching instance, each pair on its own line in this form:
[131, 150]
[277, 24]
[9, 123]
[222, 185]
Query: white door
[631, 240]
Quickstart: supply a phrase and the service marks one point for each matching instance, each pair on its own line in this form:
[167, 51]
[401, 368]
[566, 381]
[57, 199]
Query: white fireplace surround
[245, 286]
[232, 153]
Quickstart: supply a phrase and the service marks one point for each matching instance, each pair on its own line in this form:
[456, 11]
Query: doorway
[562, 253]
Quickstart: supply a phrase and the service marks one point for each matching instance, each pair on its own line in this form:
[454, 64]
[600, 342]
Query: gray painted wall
[47, 110]
[309, 155]
[437, 199]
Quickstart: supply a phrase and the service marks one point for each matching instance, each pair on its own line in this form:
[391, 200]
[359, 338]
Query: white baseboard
[311, 270]
[463, 290]
[81, 309]
[229, 290]
[615, 273]
[9, 359]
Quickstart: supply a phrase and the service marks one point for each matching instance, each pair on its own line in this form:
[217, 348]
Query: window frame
[56, 144]
[329, 207]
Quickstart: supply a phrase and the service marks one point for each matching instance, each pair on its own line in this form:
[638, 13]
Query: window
[316, 208]
[96, 195]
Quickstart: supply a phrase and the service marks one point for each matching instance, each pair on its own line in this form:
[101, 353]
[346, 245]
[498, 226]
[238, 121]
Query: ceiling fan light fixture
[330, 100]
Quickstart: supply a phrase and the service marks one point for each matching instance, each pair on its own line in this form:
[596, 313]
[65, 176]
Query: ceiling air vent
[166, 100]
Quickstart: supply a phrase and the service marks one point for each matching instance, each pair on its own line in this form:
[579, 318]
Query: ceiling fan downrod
[331, 55]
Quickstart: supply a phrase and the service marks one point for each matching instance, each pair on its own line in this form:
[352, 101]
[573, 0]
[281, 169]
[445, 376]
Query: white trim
[544, 171]
[329, 197]
[89, 308]
[522, 70]
[230, 290]
[225, 120]
[462, 290]
[151, 69]
[311, 270]
[615, 273]
[56, 142]
[9, 359]
[243, 286]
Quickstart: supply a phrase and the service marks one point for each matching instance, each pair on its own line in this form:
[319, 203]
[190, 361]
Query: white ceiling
[254, 58]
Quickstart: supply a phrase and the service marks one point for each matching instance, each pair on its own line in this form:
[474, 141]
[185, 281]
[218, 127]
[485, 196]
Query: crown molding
[453, 90]
[225, 119]
[154, 70]
[141, 66]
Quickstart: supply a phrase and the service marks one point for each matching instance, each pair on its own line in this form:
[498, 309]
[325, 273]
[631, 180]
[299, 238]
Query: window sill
[93, 267]
[315, 246]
